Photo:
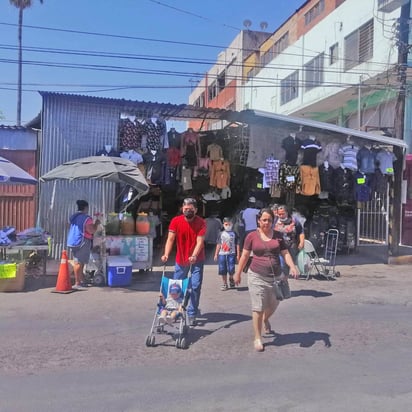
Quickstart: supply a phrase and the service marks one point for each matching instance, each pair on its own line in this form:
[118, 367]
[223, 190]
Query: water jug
[142, 224]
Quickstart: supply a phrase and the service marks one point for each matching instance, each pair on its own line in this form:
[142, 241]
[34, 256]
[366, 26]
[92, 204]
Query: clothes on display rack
[174, 138]
[331, 154]
[220, 174]
[343, 185]
[289, 177]
[291, 144]
[310, 182]
[349, 151]
[190, 147]
[362, 187]
[133, 156]
[366, 160]
[385, 159]
[214, 152]
[311, 147]
[326, 175]
[108, 150]
[271, 171]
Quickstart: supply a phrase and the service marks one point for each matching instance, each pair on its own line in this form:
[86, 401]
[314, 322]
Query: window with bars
[314, 72]
[289, 87]
[359, 45]
[314, 12]
[333, 54]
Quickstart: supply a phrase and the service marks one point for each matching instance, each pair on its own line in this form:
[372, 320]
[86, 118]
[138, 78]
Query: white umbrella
[11, 174]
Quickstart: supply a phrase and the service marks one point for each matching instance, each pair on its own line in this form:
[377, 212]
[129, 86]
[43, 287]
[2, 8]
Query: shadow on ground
[304, 339]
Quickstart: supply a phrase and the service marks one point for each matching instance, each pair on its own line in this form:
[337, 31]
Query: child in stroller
[171, 311]
[172, 304]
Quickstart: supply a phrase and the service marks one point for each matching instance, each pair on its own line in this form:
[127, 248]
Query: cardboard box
[119, 271]
[14, 284]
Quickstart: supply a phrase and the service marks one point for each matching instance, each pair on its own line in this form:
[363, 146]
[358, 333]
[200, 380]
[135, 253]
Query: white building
[342, 69]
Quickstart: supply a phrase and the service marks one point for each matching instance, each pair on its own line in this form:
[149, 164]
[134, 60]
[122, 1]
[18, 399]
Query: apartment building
[333, 61]
[220, 86]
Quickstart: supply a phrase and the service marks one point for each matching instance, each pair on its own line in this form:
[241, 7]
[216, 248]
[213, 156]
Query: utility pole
[403, 50]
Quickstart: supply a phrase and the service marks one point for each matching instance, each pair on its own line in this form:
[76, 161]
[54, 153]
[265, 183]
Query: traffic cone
[63, 284]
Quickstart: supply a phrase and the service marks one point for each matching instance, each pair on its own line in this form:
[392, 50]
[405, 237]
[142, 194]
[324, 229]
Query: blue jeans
[181, 272]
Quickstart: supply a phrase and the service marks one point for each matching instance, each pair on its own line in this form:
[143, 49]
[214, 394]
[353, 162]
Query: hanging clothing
[190, 147]
[385, 160]
[310, 184]
[349, 152]
[271, 171]
[173, 157]
[220, 174]
[289, 177]
[332, 155]
[153, 133]
[214, 152]
[343, 185]
[130, 138]
[174, 138]
[326, 178]
[291, 145]
[362, 187]
[366, 160]
[311, 147]
[133, 156]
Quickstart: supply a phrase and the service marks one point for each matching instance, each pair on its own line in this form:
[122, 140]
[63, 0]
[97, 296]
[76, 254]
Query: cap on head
[175, 289]
[252, 199]
[227, 220]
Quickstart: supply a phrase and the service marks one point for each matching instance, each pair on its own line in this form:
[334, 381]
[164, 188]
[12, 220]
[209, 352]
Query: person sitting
[172, 304]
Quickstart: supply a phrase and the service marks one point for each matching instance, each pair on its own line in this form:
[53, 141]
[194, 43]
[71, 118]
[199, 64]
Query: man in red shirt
[188, 230]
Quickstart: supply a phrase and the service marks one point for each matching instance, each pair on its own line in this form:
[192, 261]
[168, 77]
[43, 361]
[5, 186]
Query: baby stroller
[177, 327]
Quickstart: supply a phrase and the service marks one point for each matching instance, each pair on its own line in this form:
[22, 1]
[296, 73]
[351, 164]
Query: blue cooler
[119, 271]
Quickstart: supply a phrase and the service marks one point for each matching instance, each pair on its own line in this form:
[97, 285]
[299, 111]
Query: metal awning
[185, 112]
[310, 126]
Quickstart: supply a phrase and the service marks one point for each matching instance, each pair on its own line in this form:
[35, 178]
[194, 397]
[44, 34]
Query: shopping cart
[325, 266]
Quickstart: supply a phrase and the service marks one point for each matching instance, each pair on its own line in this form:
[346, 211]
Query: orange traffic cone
[63, 284]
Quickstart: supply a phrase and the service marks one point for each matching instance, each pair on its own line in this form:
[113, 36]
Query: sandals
[258, 345]
[224, 287]
[267, 328]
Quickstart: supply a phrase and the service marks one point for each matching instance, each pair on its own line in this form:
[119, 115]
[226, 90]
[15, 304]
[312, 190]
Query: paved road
[341, 345]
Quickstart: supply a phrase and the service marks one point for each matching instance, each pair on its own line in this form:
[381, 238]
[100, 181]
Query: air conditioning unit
[387, 6]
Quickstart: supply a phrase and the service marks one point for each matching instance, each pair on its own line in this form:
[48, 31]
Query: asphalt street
[341, 345]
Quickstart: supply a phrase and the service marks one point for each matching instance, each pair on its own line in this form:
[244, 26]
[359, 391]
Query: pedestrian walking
[267, 245]
[188, 231]
[227, 253]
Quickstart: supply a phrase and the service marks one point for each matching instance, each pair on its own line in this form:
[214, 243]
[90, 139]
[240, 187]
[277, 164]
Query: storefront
[221, 168]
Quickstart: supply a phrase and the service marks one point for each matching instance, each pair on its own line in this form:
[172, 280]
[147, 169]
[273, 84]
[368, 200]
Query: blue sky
[138, 30]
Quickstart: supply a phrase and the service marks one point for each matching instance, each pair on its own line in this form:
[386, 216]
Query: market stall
[106, 169]
[12, 257]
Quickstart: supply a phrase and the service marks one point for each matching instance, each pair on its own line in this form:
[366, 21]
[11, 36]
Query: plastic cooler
[119, 271]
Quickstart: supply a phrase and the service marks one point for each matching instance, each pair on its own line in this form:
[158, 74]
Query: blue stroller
[177, 327]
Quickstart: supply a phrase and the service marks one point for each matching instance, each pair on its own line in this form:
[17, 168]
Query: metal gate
[373, 220]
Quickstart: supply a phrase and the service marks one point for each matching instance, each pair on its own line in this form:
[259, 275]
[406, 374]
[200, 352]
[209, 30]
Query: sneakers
[169, 320]
[162, 320]
[79, 287]
[232, 283]
[192, 321]
[223, 287]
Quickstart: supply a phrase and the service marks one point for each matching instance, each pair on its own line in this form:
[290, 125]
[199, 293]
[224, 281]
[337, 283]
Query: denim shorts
[226, 264]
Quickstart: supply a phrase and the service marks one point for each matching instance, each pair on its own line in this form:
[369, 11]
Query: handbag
[282, 289]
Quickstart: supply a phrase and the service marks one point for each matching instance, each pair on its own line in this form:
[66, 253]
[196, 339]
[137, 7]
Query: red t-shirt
[265, 259]
[186, 234]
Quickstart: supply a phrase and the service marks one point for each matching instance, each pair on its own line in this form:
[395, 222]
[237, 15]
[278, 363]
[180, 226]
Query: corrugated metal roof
[171, 111]
[144, 109]
[21, 128]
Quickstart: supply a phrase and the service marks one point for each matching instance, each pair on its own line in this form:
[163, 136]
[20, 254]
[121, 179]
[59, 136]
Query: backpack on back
[75, 237]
